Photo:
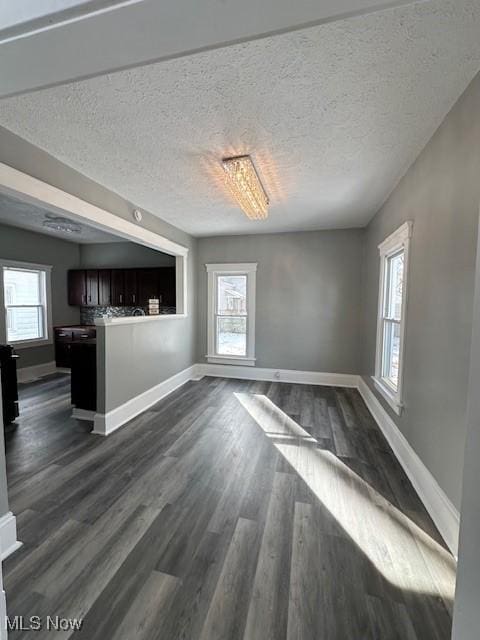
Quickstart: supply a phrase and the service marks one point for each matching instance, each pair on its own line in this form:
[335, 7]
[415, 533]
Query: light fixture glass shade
[246, 187]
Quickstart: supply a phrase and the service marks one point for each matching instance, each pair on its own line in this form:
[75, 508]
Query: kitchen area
[106, 293]
[58, 277]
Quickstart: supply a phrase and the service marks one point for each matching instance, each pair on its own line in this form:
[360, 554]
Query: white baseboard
[438, 505]
[106, 423]
[8, 535]
[440, 508]
[278, 375]
[29, 374]
[3, 614]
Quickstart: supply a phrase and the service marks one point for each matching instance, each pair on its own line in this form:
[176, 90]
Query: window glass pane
[394, 286]
[24, 323]
[232, 295]
[22, 287]
[391, 352]
[232, 336]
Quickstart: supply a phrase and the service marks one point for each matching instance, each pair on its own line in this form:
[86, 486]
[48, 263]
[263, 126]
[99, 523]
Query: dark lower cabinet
[63, 354]
[65, 337]
[63, 341]
[8, 367]
[84, 375]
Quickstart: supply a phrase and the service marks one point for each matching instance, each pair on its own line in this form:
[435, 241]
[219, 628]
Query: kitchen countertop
[74, 326]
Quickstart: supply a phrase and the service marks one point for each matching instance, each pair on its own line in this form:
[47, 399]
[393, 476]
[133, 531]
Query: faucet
[138, 311]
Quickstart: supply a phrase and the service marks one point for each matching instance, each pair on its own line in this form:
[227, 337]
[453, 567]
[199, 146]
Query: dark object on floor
[8, 367]
[84, 374]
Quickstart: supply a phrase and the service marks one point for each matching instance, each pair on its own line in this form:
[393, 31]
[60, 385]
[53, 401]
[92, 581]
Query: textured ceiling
[333, 116]
[15, 213]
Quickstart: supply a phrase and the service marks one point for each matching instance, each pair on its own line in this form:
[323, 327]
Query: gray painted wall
[135, 357]
[118, 255]
[4, 508]
[165, 337]
[28, 246]
[466, 619]
[441, 194]
[308, 297]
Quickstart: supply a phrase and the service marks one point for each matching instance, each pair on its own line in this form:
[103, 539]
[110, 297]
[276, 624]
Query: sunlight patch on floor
[399, 549]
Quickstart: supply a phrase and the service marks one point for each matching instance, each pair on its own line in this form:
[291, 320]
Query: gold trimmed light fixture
[245, 185]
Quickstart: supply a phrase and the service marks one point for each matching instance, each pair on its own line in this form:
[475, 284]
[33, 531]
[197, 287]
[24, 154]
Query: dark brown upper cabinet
[148, 285]
[121, 287]
[167, 286]
[131, 287]
[92, 287]
[104, 287]
[118, 287]
[77, 288]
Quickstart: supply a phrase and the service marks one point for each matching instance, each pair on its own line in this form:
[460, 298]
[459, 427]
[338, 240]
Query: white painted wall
[466, 621]
[3, 510]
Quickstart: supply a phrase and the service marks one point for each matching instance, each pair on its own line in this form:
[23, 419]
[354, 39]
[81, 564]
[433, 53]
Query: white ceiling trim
[21, 185]
[92, 36]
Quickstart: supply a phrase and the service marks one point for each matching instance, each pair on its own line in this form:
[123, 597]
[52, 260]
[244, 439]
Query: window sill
[388, 395]
[239, 360]
[26, 344]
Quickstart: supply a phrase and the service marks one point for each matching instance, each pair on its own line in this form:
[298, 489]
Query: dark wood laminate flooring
[230, 510]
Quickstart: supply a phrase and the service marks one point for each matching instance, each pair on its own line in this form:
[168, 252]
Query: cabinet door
[92, 287]
[63, 354]
[77, 287]
[131, 292]
[118, 287]
[84, 376]
[148, 285]
[104, 287]
[167, 286]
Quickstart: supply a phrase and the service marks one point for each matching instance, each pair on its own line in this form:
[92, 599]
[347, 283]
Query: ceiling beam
[23, 17]
[61, 41]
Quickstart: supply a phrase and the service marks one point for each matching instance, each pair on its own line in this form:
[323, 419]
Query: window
[231, 316]
[26, 296]
[391, 315]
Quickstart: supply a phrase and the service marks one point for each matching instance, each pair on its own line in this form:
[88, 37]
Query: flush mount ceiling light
[246, 187]
[60, 224]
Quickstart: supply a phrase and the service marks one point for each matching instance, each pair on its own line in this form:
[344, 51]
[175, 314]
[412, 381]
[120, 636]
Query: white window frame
[397, 241]
[248, 269]
[46, 271]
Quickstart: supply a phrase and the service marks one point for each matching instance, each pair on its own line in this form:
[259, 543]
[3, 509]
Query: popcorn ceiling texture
[31, 217]
[333, 116]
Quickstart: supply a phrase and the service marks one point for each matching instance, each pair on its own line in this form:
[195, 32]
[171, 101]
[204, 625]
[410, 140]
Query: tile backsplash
[88, 314]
